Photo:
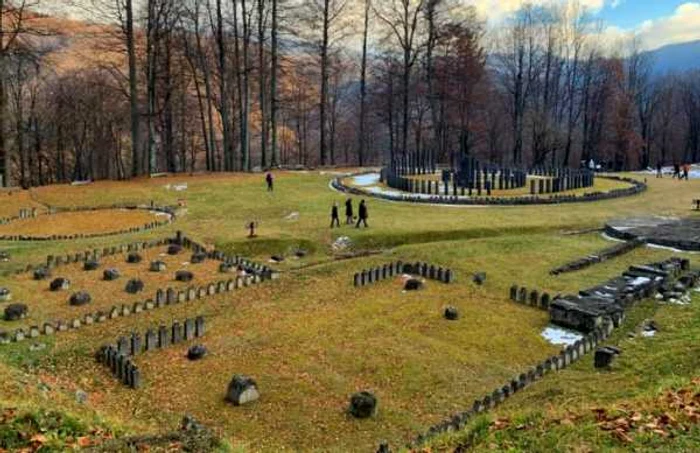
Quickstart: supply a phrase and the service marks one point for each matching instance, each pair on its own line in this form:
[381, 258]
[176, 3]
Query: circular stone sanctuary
[674, 232]
[465, 180]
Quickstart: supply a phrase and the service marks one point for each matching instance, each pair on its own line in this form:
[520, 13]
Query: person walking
[348, 212]
[676, 171]
[335, 219]
[270, 181]
[659, 170]
[362, 215]
[686, 170]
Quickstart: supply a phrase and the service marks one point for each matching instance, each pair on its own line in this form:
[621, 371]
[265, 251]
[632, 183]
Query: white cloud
[681, 26]
[496, 10]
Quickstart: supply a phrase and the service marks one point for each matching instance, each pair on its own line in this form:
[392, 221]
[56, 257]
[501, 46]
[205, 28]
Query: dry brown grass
[83, 222]
[11, 201]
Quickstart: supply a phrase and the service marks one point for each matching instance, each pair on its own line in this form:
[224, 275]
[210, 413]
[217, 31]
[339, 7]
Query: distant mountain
[676, 57]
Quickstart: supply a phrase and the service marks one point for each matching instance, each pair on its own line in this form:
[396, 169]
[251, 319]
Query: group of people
[362, 214]
[679, 171]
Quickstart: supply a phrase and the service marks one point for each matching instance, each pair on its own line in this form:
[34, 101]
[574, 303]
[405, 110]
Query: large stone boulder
[59, 284]
[242, 390]
[5, 295]
[157, 266]
[15, 312]
[42, 273]
[184, 276]
[604, 356]
[174, 249]
[413, 284]
[363, 405]
[196, 352]
[110, 274]
[451, 313]
[134, 258]
[198, 257]
[479, 278]
[80, 298]
[91, 265]
[134, 286]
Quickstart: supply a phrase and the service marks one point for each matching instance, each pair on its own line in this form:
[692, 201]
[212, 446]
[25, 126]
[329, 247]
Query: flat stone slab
[674, 232]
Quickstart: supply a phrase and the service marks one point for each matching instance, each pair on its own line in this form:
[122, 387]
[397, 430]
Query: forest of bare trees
[240, 85]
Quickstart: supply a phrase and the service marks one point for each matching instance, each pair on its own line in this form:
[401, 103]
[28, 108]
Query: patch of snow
[561, 336]
[365, 180]
[640, 281]
[342, 243]
[292, 216]
[670, 249]
[81, 183]
[648, 333]
[176, 187]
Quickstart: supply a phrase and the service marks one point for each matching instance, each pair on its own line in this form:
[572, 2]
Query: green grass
[311, 340]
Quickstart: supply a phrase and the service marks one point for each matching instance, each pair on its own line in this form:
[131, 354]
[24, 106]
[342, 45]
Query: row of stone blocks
[260, 270]
[603, 255]
[118, 357]
[636, 188]
[564, 359]
[24, 213]
[366, 277]
[533, 298]
[162, 299]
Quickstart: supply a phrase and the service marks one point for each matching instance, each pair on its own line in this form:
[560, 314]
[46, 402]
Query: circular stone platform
[368, 184]
[678, 233]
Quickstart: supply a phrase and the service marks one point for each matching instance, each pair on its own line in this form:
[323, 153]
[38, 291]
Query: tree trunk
[133, 91]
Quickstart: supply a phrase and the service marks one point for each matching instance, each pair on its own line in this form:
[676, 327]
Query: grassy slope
[311, 341]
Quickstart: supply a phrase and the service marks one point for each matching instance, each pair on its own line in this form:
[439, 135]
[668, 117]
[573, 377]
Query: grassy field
[310, 339]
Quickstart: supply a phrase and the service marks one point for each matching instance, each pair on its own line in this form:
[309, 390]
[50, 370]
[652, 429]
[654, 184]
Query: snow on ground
[560, 336]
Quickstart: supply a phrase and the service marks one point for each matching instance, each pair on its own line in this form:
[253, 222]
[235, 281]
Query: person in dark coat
[659, 170]
[362, 215]
[348, 212]
[676, 171]
[335, 219]
[270, 181]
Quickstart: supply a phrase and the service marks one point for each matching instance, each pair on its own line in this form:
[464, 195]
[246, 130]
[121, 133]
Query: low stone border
[636, 188]
[532, 298]
[566, 357]
[118, 357]
[604, 255]
[255, 273]
[170, 211]
[366, 277]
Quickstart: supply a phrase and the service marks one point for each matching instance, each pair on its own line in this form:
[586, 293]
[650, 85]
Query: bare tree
[402, 17]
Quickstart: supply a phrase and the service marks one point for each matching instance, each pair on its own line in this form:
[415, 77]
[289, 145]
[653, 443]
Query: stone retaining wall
[603, 255]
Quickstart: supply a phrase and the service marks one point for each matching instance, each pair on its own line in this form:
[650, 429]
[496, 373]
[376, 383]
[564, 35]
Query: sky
[655, 22]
